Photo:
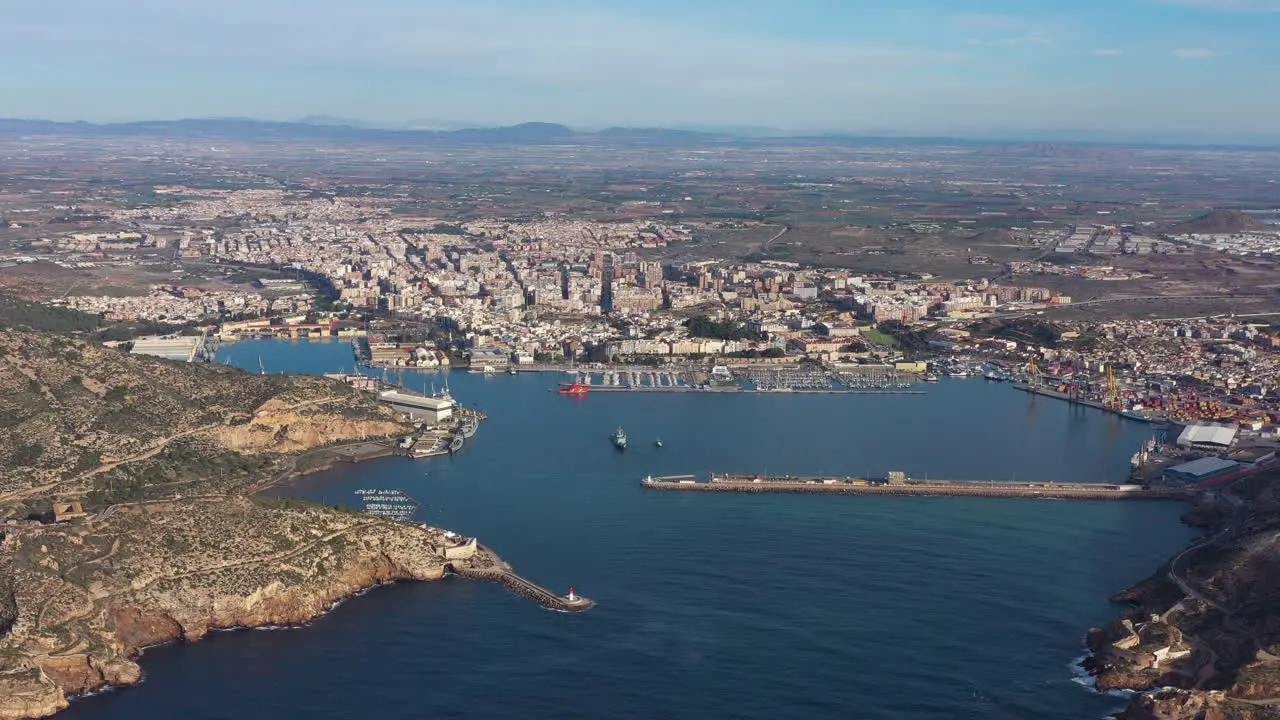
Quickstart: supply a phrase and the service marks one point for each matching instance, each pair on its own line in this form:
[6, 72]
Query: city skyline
[1130, 66]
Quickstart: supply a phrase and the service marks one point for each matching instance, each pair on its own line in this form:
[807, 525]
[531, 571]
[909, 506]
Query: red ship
[574, 389]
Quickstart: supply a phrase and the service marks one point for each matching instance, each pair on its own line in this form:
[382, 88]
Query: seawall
[525, 588]
[844, 486]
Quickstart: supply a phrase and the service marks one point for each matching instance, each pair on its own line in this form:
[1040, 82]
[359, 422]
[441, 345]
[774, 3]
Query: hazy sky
[905, 65]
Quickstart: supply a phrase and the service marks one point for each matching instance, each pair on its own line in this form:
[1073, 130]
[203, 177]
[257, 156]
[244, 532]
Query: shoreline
[79, 677]
[1164, 651]
[180, 636]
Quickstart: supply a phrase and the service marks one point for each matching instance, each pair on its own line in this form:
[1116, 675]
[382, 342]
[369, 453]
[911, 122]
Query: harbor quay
[1048, 392]
[898, 484]
[741, 390]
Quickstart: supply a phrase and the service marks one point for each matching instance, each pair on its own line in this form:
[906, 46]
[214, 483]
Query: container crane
[1112, 399]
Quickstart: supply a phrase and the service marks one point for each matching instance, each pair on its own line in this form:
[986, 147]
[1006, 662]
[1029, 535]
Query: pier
[755, 391]
[1048, 392]
[898, 484]
[501, 573]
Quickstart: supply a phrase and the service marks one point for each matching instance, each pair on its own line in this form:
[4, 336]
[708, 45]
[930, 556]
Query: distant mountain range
[427, 132]
[341, 129]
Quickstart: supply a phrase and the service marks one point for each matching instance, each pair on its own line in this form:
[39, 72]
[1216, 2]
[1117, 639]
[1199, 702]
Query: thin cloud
[1034, 37]
[1194, 53]
[1257, 6]
[989, 22]
[522, 46]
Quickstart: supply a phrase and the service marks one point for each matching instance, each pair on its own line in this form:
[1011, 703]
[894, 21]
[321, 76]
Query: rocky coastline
[125, 626]
[1201, 640]
[130, 515]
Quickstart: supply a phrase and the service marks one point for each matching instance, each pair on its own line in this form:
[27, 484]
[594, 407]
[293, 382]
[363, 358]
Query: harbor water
[709, 605]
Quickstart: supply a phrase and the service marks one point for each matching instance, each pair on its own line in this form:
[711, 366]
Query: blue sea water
[710, 606]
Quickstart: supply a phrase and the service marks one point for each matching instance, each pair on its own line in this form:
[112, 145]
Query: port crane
[1112, 398]
[1033, 373]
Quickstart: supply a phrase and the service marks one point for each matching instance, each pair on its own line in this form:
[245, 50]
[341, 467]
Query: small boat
[930, 377]
[658, 442]
[619, 438]
[511, 371]
[456, 444]
[574, 389]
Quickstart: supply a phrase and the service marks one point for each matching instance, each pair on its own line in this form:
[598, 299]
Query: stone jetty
[902, 486]
[500, 572]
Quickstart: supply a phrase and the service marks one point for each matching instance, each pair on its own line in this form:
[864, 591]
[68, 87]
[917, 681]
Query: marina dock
[898, 484]
[877, 380]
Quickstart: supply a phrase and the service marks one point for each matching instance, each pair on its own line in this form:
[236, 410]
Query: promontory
[129, 518]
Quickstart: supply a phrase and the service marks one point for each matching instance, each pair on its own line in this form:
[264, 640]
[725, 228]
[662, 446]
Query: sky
[908, 66]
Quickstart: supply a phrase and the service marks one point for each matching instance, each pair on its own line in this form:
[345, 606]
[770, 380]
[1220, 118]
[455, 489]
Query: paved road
[1140, 298]
[1179, 578]
[765, 248]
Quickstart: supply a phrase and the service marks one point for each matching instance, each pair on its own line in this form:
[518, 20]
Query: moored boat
[469, 426]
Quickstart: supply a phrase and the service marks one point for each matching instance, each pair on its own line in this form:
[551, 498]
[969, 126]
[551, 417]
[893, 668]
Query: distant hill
[1219, 222]
[320, 128]
[19, 313]
[1058, 150]
[524, 133]
[340, 129]
[660, 135]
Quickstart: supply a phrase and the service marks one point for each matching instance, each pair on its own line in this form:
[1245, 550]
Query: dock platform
[1049, 392]
[750, 391]
[875, 486]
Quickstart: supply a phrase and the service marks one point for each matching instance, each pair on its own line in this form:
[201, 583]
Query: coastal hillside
[1203, 640]
[92, 423]
[165, 540]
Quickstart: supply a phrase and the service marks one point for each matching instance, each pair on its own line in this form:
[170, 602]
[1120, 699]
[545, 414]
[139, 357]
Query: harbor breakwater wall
[956, 489]
[524, 588]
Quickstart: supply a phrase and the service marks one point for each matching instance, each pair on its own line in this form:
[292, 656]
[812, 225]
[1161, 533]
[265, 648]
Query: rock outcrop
[164, 458]
[287, 430]
[1203, 638]
[82, 617]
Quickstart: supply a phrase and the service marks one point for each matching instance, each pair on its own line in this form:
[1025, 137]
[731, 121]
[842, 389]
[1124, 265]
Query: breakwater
[956, 488]
[502, 574]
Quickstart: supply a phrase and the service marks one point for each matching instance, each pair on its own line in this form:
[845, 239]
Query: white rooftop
[1221, 435]
[406, 399]
[183, 349]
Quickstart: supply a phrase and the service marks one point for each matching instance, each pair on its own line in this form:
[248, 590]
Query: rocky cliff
[163, 458]
[1203, 637]
[88, 598]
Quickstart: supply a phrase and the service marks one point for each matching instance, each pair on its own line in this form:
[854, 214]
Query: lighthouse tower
[572, 597]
